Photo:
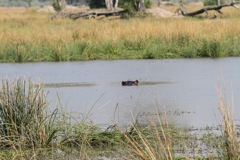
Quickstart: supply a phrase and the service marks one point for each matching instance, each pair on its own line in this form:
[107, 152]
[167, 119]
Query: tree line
[30, 3]
[131, 5]
[137, 5]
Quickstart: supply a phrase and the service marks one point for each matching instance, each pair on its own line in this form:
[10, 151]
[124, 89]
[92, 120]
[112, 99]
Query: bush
[96, 3]
[210, 2]
[148, 3]
[131, 5]
[57, 7]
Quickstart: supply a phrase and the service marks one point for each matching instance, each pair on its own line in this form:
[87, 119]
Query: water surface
[185, 87]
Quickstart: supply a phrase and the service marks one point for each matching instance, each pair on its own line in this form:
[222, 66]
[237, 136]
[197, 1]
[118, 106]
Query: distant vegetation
[29, 36]
[94, 3]
[18, 3]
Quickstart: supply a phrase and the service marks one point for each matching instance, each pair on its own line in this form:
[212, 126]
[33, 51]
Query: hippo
[130, 83]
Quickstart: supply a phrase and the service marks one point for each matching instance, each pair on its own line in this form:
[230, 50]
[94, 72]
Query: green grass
[182, 47]
[25, 121]
[142, 49]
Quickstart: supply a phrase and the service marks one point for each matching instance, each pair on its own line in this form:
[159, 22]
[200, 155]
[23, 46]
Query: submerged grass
[29, 36]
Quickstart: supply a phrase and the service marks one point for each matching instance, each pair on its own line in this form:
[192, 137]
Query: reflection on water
[187, 85]
[60, 85]
[76, 84]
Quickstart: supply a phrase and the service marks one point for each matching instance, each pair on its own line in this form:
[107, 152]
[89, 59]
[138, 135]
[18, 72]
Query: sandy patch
[47, 9]
[160, 12]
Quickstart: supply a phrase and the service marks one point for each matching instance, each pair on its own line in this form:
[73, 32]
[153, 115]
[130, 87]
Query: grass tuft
[25, 122]
[151, 142]
[230, 133]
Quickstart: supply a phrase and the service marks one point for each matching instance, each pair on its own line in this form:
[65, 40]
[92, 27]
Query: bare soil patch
[161, 12]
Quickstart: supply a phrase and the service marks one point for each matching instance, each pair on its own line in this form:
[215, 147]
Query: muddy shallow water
[186, 88]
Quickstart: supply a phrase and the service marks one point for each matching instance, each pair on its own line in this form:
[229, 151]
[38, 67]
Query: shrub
[131, 5]
[96, 3]
[210, 2]
[57, 7]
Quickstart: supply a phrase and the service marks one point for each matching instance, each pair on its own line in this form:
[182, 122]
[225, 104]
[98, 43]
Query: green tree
[134, 5]
[56, 5]
[29, 2]
[213, 2]
[96, 3]
[130, 5]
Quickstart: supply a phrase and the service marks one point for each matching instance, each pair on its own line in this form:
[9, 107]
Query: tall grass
[230, 134]
[31, 36]
[24, 119]
[27, 126]
[151, 142]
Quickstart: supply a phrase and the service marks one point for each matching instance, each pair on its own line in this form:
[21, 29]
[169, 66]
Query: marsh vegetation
[30, 36]
[29, 130]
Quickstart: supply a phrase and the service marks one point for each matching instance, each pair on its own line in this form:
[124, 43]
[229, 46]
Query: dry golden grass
[20, 27]
[229, 128]
[30, 25]
[145, 147]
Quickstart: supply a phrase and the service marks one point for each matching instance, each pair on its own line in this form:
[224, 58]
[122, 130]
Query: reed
[230, 133]
[25, 122]
[152, 142]
[29, 130]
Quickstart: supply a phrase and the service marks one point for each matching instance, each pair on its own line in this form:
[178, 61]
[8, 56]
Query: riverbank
[30, 36]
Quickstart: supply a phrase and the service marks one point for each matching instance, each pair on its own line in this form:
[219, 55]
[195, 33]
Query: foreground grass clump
[230, 134]
[24, 119]
[28, 128]
[29, 36]
[152, 142]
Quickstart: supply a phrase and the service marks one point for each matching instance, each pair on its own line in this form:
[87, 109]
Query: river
[184, 88]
